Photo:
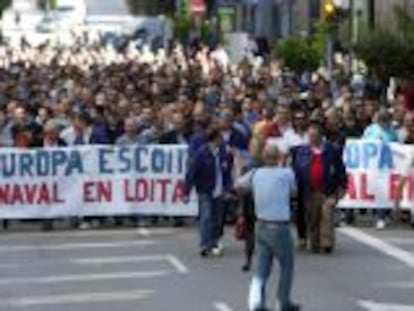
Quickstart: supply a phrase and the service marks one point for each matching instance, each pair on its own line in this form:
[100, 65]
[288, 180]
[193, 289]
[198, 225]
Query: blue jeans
[211, 220]
[273, 240]
[380, 214]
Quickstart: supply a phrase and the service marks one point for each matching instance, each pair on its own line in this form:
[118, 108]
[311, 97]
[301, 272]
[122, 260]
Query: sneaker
[204, 253]
[380, 224]
[328, 250]
[246, 267]
[85, 225]
[292, 307]
[217, 251]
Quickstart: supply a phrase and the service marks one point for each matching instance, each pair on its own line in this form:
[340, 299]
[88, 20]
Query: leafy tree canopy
[4, 4]
[389, 53]
[299, 54]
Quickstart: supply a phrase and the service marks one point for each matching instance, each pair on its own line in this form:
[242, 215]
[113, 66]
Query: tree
[183, 22]
[389, 53]
[4, 4]
[47, 4]
[299, 54]
[152, 7]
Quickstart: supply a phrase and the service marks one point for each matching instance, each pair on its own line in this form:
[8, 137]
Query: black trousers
[301, 223]
[248, 211]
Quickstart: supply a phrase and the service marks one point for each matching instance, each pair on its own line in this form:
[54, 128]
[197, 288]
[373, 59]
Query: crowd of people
[98, 94]
[235, 118]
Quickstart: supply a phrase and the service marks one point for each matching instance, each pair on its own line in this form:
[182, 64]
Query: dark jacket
[171, 138]
[237, 140]
[334, 172]
[197, 140]
[99, 135]
[201, 172]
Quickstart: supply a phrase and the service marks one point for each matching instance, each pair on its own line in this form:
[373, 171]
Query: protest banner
[93, 181]
[374, 170]
[148, 180]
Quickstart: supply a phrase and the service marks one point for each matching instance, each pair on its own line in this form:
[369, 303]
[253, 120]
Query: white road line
[83, 277]
[79, 298]
[116, 260]
[177, 264]
[144, 232]
[89, 233]
[373, 306]
[72, 246]
[221, 306]
[400, 241]
[381, 246]
[398, 285]
[9, 266]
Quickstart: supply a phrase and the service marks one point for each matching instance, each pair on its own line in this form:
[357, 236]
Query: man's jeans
[273, 240]
[211, 220]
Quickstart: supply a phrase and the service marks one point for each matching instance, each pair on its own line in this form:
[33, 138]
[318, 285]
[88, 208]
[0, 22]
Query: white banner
[93, 181]
[148, 180]
[374, 171]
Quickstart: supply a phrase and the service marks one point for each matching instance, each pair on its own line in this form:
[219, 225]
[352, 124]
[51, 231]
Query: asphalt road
[160, 270]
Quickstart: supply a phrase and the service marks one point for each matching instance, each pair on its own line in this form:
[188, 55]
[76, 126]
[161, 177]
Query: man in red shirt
[322, 180]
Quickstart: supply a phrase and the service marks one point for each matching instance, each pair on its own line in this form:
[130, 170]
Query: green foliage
[53, 4]
[151, 7]
[183, 22]
[47, 4]
[300, 54]
[4, 4]
[405, 22]
[205, 31]
[387, 53]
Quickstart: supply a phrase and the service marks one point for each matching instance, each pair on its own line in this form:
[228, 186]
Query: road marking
[400, 285]
[90, 233]
[177, 264]
[221, 306]
[400, 241]
[79, 298]
[171, 259]
[374, 306]
[71, 246]
[117, 259]
[378, 244]
[144, 232]
[9, 266]
[83, 277]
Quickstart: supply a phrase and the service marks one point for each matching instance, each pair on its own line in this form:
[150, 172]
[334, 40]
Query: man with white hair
[50, 140]
[130, 136]
[273, 235]
[51, 135]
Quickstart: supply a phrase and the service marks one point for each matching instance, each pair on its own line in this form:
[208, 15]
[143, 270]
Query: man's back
[273, 187]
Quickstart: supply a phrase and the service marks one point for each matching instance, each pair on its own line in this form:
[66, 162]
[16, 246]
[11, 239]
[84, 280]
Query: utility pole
[329, 15]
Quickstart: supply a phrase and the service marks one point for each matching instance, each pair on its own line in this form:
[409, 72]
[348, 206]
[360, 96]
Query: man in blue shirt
[209, 172]
[273, 186]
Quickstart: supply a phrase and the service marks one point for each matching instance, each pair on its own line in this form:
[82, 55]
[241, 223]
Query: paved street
[159, 269]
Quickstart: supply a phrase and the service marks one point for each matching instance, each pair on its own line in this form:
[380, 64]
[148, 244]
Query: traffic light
[329, 11]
